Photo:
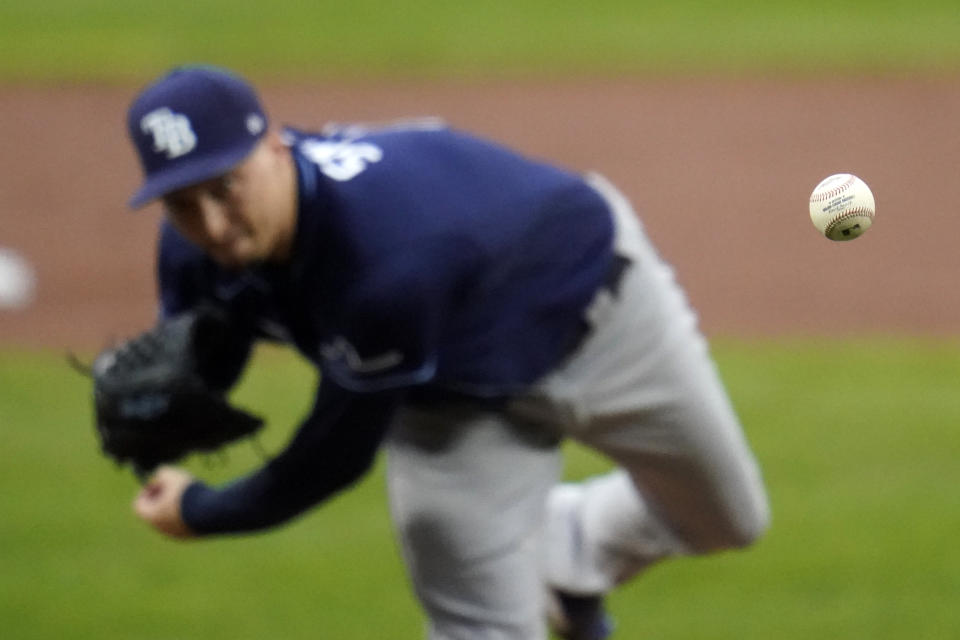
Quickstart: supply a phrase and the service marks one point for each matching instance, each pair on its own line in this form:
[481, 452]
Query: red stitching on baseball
[859, 211]
[833, 193]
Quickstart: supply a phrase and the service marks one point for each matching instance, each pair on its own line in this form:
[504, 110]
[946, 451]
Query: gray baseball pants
[484, 523]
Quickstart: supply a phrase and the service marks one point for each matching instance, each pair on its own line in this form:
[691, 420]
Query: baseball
[16, 280]
[842, 207]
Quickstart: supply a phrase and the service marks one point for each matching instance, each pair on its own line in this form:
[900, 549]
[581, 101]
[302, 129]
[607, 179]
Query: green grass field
[66, 40]
[858, 442]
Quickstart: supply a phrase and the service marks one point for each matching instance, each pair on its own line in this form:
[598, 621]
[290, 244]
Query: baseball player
[467, 308]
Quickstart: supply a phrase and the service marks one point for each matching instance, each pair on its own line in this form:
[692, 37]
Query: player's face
[245, 216]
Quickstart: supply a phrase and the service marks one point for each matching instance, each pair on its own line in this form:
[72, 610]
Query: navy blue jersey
[424, 260]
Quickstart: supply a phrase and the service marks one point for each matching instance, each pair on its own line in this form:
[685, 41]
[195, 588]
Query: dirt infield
[720, 171]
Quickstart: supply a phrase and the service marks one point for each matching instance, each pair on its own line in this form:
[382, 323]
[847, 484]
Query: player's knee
[731, 526]
[438, 531]
[422, 527]
[749, 531]
[740, 531]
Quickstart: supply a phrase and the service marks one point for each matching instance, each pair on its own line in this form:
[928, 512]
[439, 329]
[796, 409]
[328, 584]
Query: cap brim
[190, 172]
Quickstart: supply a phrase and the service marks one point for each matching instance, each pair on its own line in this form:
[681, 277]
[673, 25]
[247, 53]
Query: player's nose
[213, 215]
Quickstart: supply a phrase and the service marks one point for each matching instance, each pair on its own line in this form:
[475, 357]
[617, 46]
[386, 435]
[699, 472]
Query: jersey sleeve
[333, 447]
[184, 282]
[180, 273]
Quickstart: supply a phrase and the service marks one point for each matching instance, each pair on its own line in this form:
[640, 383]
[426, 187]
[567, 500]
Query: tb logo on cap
[171, 132]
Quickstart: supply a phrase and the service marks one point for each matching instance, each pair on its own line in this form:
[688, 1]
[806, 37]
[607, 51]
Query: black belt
[619, 266]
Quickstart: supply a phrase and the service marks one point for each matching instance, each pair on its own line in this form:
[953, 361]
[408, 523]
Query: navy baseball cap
[192, 124]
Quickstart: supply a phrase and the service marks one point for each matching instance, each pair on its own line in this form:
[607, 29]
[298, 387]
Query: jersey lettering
[340, 350]
[172, 133]
[146, 406]
[341, 161]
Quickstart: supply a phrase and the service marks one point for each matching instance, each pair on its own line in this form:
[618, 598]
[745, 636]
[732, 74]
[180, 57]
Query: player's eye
[178, 206]
[222, 187]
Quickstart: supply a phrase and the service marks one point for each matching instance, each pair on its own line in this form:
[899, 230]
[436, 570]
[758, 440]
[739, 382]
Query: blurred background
[716, 118]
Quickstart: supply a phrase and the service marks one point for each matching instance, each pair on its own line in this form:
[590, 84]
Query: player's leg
[468, 493]
[644, 390]
[687, 484]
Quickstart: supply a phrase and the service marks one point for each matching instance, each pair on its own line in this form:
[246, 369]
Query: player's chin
[232, 258]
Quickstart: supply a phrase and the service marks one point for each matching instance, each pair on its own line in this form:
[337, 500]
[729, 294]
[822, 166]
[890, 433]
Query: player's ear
[274, 140]
[276, 146]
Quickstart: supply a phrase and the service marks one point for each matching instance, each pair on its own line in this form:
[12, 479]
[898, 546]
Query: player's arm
[185, 281]
[333, 447]
[388, 345]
